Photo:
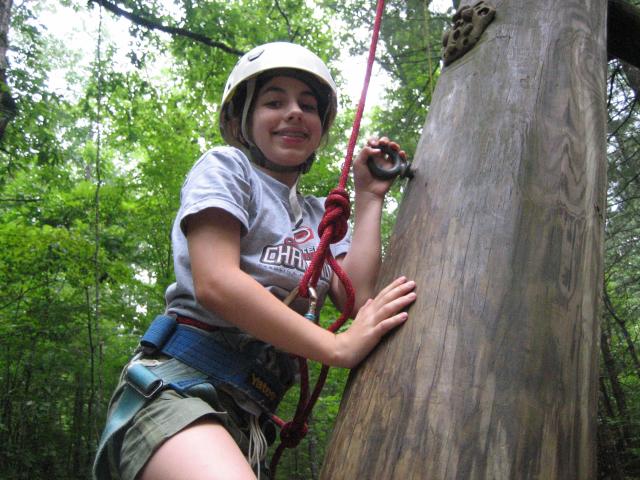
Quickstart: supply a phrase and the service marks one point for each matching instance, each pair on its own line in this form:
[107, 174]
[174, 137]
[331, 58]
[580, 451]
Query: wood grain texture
[495, 374]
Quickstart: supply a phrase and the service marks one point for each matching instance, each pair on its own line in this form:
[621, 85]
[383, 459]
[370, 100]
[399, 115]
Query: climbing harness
[223, 365]
[214, 364]
[142, 385]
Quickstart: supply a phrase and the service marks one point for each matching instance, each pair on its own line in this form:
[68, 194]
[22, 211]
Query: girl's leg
[202, 451]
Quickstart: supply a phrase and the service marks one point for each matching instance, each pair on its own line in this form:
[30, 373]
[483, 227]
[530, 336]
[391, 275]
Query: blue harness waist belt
[223, 365]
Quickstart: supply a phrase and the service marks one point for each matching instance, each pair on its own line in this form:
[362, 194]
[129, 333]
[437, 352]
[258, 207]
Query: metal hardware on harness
[143, 381]
[141, 386]
[313, 302]
[400, 166]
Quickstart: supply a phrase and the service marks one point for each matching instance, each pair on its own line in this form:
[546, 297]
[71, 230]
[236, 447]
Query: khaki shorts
[171, 412]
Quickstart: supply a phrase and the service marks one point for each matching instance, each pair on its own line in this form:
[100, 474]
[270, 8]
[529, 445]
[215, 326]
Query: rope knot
[337, 210]
[292, 433]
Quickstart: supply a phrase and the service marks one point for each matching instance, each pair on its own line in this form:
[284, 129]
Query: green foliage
[409, 52]
[90, 176]
[619, 436]
[31, 136]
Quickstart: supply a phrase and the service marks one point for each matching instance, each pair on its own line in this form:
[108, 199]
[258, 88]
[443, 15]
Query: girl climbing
[194, 401]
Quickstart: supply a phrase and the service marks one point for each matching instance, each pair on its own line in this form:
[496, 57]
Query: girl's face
[285, 123]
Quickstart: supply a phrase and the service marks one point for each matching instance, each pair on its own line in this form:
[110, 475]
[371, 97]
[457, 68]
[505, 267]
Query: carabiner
[313, 302]
[400, 166]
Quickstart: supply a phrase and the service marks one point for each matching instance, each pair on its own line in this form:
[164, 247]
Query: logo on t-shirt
[300, 235]
[293, 254]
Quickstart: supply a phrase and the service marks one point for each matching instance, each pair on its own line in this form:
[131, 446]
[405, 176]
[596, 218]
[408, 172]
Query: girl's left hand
[364, 181]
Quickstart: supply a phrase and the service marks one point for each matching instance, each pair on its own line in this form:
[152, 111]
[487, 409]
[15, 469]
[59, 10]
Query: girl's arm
[362, 262]
[221, 286]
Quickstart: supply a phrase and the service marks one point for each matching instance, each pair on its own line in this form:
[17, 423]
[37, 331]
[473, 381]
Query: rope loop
[336, 215]
[292, 433]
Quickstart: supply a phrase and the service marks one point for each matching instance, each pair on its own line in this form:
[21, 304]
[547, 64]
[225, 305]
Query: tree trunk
[495, 374]
[78, 428]
[7, 104]
[633, 77]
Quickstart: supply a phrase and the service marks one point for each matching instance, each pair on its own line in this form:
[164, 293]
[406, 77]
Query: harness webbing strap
[142, 385]
[211, 361]
[195, 348]
[158, 332]
[221, 364]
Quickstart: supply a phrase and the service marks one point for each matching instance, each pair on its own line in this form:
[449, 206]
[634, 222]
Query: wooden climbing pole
[495, 374]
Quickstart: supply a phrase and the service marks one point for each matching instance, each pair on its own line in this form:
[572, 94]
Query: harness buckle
[143, 380]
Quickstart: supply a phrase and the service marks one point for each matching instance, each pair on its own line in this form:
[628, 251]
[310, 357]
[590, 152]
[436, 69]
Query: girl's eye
[309, 107]
[273, 103]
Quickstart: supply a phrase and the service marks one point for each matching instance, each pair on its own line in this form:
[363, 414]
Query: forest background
[93, 151]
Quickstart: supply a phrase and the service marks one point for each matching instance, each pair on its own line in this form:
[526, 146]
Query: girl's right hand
[376, 318]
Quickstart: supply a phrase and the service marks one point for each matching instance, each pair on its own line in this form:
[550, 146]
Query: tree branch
[9, 200]
[633, 77]
[623, 41]
[155, 24]
[284, 15]
[7, 103]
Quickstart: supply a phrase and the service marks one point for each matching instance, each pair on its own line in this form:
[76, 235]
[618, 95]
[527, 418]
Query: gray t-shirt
[276, 244]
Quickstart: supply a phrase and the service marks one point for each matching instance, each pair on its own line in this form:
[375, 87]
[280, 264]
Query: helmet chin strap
[257, 157]
[255, 153]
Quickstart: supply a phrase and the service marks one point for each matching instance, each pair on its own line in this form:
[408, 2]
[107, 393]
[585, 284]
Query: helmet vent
[255, 55]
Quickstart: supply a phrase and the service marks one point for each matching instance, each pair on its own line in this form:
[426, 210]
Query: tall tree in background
[7, 104]
[619, 414]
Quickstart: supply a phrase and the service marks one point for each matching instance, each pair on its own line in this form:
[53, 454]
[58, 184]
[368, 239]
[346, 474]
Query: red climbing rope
[332, 229]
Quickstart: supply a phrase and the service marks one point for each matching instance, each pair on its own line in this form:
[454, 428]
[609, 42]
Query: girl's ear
[233, 124]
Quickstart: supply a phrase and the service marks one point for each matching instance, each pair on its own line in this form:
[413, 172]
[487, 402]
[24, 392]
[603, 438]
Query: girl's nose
[294, 111]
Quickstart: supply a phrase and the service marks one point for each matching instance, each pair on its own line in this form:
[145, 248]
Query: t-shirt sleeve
[219, 179]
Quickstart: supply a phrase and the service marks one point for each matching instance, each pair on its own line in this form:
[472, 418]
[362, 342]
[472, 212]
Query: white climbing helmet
[274, 56]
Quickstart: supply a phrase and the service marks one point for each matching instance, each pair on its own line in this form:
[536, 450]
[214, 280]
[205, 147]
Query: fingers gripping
[392, 299]
[395, 293]
[377, 317]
